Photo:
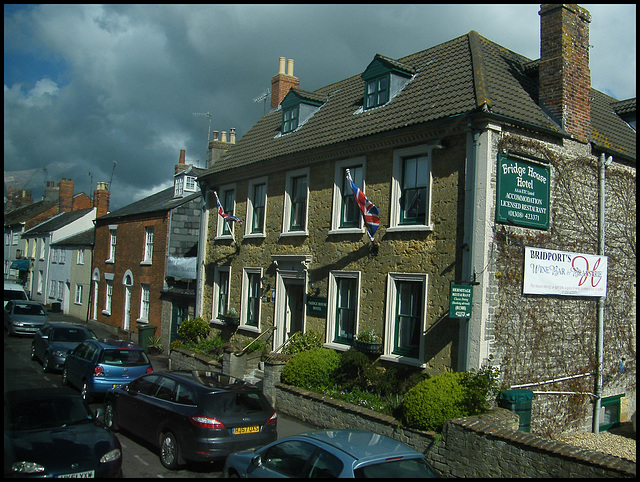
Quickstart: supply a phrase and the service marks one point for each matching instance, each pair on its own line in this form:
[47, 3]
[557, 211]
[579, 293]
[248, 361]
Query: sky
[110, 92]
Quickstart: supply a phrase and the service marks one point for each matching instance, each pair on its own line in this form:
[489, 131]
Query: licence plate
[241, 430]
[89, 474]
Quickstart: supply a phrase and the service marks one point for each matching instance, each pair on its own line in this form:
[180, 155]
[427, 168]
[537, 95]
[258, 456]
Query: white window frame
[250, 211]
[145, 298]
[396, 188]
[42, 248]
[215, 309]
[80, 256]
[63, 255]
[60, 290]
[288, 205]
[108, 293]
[54, 255]
[390, 317]
[112, 244]
[52, 289]
[148, 245]
[332, 300]
[190, 183]
[40, 281]
[219, 222]
[178, 188]
[244, 299]
[78, 295]
[338, 195]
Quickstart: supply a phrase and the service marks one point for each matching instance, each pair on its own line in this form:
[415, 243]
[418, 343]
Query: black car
[54, 341]
[197, 416]
[51, 432]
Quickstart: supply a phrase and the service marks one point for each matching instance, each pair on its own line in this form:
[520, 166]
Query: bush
[194, 329]
[311, 369]
[434, 401]
[353, 365]
[300, 342]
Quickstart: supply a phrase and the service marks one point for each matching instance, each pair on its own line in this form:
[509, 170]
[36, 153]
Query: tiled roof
[24, 213]
[161, 201]
[457, 77]
[56, 222]
[85, 238]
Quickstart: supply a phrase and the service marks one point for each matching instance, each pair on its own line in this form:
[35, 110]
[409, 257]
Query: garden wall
[487, 445]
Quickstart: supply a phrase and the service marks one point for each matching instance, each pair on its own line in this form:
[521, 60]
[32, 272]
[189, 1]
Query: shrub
[353, 365]
[194, 329]
[209, 346]
[311, 368]
[303, 341]
[434, 401]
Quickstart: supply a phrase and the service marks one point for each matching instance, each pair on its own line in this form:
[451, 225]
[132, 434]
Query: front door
[179, 313]
[289, 309]
[127, 307]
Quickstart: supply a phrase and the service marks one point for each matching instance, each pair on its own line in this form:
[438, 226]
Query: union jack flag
[370, 213]
[225, 216]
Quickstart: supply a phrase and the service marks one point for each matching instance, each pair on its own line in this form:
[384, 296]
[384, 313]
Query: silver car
[24, 317]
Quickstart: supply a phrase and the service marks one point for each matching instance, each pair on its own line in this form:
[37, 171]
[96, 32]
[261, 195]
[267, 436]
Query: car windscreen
[397, 468]
[231, 404]
[28, 309]
[71, 334]
[44, 414]
[124, 357]
[14, 295]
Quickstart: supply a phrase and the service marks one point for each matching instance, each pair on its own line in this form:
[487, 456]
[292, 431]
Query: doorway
[289, 309]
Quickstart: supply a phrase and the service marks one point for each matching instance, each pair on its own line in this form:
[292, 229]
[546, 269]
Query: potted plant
[231, 317]
[368, 341]
[155, 345]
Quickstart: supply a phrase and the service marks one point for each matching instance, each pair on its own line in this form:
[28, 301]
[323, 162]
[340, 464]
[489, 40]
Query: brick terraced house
[474, 156]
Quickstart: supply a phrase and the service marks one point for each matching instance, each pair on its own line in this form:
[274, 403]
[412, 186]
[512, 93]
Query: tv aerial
[263, 98]
[207, 114]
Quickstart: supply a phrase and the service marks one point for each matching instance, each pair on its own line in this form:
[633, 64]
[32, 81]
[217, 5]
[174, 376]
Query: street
[139, 459]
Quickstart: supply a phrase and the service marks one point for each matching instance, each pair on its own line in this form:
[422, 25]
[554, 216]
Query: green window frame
[408, 318]
[376, 92]
[298, 203]
[290, 119]
[349, 211]
[610, 412]
[345, 323]
[253, 299]
[413, 199]
[258, 204]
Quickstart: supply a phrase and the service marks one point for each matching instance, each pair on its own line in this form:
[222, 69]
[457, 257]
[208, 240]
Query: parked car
[51, 432]
[330, 453]
[195, 416]
[13, 291]
[54, 341]
[94, 366]
[24, 317]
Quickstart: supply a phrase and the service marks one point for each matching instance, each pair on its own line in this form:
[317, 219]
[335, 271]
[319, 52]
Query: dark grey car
[194, 416]
[23, 317]
[54, 341]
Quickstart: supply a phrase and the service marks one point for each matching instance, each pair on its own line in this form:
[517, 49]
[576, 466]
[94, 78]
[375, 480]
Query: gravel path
[620, 442]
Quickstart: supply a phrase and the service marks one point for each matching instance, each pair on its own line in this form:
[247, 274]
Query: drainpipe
[600, 334]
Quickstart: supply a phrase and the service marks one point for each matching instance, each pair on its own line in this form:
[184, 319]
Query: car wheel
[169, 450]
[110, 417]
[45, 363]
[84, 391]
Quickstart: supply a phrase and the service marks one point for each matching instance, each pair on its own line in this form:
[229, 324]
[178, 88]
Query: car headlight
[25, 467]
[111, 456]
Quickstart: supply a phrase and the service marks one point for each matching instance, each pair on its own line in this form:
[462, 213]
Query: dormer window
[298, 107]
[383, 79]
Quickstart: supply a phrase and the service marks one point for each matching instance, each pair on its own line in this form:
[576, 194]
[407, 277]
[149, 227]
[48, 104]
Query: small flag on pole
[225, 216]
[370, 213]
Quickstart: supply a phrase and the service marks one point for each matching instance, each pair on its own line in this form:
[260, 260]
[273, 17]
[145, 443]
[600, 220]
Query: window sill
[347, 231]
[250, 328]
[255, 235]
[142, 322]
[106, 313]
[336, 346]
[405, 360]
[109, 261]
[290, 234]
[145, 263]
[410, 228]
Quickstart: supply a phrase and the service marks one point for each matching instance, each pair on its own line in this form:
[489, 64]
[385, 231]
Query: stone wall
[487, 445]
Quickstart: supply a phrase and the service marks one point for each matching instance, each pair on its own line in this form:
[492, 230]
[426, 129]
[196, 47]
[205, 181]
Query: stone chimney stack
[564, 75]
[65, 195]
[281, 83]
[219, 145]
[101, 199]
[181, 166]
[51, 192]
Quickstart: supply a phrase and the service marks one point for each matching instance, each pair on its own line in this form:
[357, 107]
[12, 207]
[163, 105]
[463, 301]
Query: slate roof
[85, 238]
[25, 213]
[56, 222]
[160, 201]
[461, 76]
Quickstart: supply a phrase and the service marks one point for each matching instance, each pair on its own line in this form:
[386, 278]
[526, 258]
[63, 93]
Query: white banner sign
[549, 272]
[182, 267]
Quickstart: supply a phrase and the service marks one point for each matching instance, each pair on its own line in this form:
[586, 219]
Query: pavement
[160, 362]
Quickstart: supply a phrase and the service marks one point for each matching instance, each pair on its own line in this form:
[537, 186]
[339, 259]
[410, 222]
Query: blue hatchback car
[95, 366]
[330, 454]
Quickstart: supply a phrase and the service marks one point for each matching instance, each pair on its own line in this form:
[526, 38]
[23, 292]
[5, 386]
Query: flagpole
[361, 213]
[223, 219]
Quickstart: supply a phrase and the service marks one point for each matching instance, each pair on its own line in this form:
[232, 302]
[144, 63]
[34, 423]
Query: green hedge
[313, 368]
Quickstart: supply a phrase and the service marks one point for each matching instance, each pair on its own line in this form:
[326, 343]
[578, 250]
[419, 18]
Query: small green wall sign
[316, 306]
[460, 301]
[522, 193]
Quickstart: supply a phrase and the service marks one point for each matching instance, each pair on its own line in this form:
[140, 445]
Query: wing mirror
[256, 461]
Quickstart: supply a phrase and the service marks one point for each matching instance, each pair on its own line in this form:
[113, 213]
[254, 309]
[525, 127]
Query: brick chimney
[181, 166]
[564, 76]
[65, 195]
[51, 192]
[101, 199]
[281, 83]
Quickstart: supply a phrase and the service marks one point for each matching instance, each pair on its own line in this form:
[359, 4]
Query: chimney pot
[223, 136]
[232, 135]
[215, 135]
[282, 83]
[290, 67]
[181, 161]
[281, 64]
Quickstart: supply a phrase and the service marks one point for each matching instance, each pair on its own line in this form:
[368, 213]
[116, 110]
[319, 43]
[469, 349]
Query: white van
[13, 291]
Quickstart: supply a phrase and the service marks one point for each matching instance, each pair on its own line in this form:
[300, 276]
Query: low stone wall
[487, 445]
[180, 359]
